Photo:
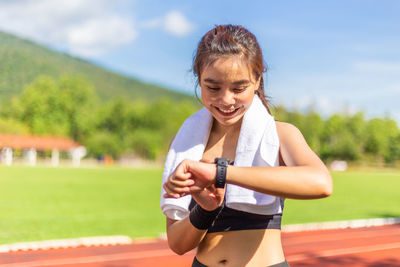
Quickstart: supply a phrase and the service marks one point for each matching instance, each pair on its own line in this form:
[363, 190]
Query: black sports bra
[232, 220]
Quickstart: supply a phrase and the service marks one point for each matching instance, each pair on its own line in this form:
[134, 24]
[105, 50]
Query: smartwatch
[220, 179]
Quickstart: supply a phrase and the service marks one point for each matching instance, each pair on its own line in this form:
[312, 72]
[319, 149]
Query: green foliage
[104, 143]
[338, 141]
[12, 126]
[79, 100]
[70, 107]
[146, 142]
[143, 129]
[347, 137]
[43, 109]
[49, 107]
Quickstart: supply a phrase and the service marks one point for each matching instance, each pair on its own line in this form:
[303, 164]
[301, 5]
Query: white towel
[258, 145]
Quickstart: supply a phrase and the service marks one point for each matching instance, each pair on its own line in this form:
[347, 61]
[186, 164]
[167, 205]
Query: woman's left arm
[304, 177]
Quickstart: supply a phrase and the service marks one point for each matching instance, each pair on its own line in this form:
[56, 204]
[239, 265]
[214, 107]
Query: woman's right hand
[209, 198]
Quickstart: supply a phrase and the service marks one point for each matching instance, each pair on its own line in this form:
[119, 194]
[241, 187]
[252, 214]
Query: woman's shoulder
[290, 136]
[286, 130]
[293, 147]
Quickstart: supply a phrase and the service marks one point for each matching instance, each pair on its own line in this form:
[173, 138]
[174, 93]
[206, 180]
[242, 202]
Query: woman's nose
[227, 97]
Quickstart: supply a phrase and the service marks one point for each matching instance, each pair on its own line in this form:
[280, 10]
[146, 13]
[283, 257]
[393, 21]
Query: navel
[223, 261]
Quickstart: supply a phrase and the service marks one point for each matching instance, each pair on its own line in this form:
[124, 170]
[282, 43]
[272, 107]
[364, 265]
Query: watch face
[222, 161]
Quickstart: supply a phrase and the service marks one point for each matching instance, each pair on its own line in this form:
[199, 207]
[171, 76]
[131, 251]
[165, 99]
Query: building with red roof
[31, 143]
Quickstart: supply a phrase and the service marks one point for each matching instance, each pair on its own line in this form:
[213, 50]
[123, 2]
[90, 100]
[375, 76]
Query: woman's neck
[222, 130]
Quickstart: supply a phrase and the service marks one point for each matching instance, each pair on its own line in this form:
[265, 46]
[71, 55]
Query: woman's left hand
[203, 190]
[201, 173]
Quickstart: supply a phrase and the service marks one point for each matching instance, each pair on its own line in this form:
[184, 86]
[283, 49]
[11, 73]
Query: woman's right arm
[183, 236]
[186, 234]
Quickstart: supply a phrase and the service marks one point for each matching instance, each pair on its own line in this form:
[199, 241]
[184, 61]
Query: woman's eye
[213, 88]
[239, 90]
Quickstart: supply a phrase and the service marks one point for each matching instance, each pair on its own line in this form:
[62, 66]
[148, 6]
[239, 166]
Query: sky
[332, 56]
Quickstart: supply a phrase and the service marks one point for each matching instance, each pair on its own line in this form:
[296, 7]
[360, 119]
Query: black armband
[202, 219]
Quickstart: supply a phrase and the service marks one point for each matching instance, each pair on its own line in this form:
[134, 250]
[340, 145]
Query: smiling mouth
[227, 112]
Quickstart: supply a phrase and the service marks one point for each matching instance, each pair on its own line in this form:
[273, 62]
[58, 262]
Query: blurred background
[105, 85]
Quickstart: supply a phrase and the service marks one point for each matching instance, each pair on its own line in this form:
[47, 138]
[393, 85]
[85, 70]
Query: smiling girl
[231, 166]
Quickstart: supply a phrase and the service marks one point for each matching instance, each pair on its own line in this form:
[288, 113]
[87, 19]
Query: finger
[220, 191]
[182, 176]
[166, 195]
[178, 188]
[181, 172]
[184, 183]
[171, 188]
[169, 193]
[220, 194]
[195, 189]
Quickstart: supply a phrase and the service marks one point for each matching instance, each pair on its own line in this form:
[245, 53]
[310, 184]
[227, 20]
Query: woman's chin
[228, 122]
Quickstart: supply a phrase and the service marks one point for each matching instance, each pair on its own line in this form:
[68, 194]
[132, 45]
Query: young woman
[231, 166]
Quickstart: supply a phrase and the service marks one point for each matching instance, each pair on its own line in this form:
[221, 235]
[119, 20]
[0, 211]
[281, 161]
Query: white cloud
[85, 28]
[97, 36]
[174, 22]
[177, 24]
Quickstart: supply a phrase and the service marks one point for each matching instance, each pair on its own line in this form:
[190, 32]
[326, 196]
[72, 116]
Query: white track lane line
[293, 240]
[341, 252]
[93, 259]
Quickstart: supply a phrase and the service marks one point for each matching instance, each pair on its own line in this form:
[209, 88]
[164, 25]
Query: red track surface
[367, 247]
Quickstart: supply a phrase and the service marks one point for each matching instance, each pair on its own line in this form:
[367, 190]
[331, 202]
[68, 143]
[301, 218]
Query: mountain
[22, 61]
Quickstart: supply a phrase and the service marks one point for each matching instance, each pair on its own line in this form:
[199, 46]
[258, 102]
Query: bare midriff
[241, 248]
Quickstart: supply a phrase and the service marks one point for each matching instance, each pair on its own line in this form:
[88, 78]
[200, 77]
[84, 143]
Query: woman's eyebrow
[210, 80]
[241, 82]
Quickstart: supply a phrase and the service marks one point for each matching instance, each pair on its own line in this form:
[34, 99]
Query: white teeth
[227, 110]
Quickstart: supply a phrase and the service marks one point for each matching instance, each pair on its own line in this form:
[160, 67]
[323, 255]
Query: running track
[368, 247]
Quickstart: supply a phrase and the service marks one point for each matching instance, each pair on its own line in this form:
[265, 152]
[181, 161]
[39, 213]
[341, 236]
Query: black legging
[196, 263]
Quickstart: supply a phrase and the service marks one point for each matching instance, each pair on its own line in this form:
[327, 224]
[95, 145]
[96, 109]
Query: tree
[42, 109]
[337, 140]
[79, 101]
[52, 107]
[12, 126]
[104, 143]
[312, 129]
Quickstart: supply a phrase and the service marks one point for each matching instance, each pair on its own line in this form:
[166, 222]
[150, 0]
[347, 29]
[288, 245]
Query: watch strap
[220, 179]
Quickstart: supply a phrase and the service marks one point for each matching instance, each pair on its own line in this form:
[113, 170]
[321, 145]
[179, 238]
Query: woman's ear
[257, 85]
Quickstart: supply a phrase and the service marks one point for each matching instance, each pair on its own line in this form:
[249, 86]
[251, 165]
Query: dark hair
[225, 40]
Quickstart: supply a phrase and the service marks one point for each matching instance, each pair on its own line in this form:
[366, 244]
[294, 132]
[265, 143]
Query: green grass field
[47, 203]
[356, 195]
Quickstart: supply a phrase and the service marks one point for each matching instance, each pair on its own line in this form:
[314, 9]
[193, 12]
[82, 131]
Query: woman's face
[227, 89]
